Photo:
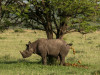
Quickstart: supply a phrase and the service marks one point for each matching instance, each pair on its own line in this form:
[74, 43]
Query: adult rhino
[47, 47]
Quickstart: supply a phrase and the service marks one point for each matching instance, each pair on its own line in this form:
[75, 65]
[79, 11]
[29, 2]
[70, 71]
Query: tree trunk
[59, 34]
[61, 31]
[49, 34]
[49, 31]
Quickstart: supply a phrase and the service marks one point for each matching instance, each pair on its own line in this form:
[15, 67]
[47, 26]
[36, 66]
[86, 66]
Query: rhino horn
[20, 52]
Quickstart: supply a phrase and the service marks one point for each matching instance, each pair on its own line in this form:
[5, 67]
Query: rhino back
[51, 47]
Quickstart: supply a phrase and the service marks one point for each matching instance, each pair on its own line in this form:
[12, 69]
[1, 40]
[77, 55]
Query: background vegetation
[52, 16]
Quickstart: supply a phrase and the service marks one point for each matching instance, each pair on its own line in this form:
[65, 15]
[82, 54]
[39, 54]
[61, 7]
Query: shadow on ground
[96, 72]
[20, 61]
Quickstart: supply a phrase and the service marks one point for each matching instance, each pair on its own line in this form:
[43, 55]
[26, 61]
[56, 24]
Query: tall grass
[12, 63]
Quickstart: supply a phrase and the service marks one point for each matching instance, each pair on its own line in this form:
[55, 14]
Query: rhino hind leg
[62, 59]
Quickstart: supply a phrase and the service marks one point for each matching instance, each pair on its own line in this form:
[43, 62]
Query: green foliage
[1, 28]
[7, 23]
[19, 30]
[87, 27]
[79, 12]
[2, 37]
[41, 13]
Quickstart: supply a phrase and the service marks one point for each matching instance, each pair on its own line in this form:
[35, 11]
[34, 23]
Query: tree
[0, 10]
[97, 10]
[56, 16]
[7, 18]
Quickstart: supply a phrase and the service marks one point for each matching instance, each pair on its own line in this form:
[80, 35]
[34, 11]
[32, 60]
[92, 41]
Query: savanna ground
[11, 62]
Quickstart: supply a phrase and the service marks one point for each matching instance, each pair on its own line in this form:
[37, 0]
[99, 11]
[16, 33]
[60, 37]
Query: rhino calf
[47, 47]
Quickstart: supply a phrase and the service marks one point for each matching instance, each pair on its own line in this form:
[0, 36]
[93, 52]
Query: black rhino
[47, 47]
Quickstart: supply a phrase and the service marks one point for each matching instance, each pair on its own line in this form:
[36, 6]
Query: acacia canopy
[56, 16]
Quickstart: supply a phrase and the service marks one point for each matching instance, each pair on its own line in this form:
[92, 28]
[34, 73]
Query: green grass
[11, 62]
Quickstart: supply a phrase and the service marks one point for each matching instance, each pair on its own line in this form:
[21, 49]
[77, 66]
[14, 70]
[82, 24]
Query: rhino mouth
[26, 54]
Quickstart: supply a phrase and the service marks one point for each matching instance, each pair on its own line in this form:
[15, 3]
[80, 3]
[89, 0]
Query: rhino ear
[27, 45]
[29, 42]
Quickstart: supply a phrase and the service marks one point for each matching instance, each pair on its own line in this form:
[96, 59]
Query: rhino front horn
[20, 52]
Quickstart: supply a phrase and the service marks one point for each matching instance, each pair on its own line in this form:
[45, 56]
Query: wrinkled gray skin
[45, 48]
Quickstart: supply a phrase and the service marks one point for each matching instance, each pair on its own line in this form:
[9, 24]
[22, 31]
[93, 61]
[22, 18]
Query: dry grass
[12, 63]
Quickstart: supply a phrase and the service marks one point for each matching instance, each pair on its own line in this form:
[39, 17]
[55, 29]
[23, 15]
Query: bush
[6, 57]
[19, 30]
[2, 37]
[2, 28]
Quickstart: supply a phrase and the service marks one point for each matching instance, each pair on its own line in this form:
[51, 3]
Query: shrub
[6, 57]
[2, 28]
[2, 37]
[19, 30]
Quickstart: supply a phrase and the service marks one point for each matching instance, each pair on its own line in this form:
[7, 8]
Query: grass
[12, 63]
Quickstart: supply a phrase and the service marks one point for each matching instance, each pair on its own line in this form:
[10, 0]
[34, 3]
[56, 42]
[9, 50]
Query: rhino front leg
[44, 60]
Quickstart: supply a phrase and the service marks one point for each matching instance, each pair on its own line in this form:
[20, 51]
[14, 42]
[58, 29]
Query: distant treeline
[94, 27]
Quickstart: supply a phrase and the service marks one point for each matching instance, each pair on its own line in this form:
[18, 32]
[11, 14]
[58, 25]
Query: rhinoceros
[47, 47]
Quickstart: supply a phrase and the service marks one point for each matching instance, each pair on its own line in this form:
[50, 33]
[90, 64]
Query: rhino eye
[27, 48]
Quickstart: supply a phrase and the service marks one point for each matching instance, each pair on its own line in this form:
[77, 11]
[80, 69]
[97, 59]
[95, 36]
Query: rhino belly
[52, 51]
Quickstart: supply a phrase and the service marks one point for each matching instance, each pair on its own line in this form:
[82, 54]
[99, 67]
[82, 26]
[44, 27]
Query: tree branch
[54, 32]
[55, 20]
